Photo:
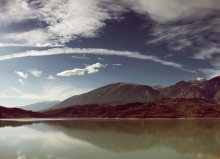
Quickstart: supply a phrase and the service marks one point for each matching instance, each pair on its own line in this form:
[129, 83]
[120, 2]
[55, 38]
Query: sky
[54, 49]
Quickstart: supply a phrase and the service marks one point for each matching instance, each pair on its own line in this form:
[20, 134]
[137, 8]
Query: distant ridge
[37, 107]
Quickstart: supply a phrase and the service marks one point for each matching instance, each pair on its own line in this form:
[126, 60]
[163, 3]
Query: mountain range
[123, 93]
[195, 98]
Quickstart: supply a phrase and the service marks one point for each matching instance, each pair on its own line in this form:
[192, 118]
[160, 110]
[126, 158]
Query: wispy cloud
[51, 77]
[90, 69]
[92, 51]
[49, 92]
[21, 74]
[101, 59]
[117, 64]
[69, 20]
[81, 57]
[172, 10]
[11, 91]
[196, 35]
[35, 72]
[21, 81]
[207, 53]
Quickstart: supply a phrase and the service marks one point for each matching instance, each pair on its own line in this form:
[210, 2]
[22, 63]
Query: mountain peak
[200, 79]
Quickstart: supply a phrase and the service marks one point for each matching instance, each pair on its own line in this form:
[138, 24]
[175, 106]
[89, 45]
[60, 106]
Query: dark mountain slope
[163, 108]
[118, 93]
[17, 113]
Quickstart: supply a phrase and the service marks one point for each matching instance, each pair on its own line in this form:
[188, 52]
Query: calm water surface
[110, 139]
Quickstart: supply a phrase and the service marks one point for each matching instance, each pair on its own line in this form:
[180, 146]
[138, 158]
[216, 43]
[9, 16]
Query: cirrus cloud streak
[92, 51]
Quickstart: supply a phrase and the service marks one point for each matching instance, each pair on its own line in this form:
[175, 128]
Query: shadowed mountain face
[118, 93]
[123, 93]
[17, 113]
[163, 108]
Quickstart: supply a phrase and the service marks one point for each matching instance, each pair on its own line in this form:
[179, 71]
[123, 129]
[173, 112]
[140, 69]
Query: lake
[110, 139]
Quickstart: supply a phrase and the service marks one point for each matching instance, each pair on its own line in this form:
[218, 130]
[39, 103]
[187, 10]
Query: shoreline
[104, 119]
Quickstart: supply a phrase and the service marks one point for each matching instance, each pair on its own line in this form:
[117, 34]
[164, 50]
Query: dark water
[110, 139]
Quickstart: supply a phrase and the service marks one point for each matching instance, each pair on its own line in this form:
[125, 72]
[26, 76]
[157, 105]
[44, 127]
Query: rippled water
[110, 139]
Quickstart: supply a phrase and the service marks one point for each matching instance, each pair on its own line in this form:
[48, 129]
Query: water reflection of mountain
[14, 123]
[184, 136]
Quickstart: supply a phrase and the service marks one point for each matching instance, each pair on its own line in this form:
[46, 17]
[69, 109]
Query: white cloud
[81, 71]
[36, 72]
[73, 72]
[171, 10]
[11, 45]
[30, 44]
[77, 18]
[32, 37]
[21, 81]
[21, 74]
[92, 51]
[94, 68]
[11, 9]
[66, 20]
[51, 77]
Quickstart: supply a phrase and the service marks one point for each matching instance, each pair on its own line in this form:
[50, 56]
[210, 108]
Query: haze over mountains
[37, 107]
[123, 93]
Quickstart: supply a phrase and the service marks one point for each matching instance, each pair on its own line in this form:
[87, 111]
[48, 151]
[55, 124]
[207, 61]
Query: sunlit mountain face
[54, 49]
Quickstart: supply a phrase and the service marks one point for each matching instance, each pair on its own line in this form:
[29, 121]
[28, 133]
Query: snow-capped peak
[200, 79]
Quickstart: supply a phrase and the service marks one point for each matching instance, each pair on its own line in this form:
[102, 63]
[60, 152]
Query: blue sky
[54, 49]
